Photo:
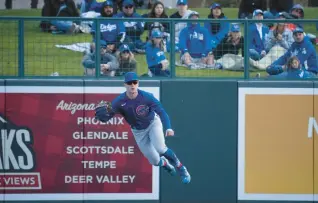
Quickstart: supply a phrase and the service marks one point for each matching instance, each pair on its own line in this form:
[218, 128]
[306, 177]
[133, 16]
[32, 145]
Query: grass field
[41, 57]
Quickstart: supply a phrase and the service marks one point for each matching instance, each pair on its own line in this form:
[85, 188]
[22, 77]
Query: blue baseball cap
[131, 76]
[215, 5]
[128, 3]
[298, 30]
[194, 13]
[124, 47]
[258, 11]
[156, 34]
[235, 28]
[182, 2]
[108, 3]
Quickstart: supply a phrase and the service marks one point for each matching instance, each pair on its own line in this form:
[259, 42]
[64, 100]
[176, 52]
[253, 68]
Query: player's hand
[169, 132]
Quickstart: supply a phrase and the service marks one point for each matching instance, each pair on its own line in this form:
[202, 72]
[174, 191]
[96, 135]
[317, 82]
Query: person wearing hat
[247, 7]
[303, 49]
[126, 60]
[258, 34]
[182, 13]
[149, 124]
[217, 30]
[195, 45]
[108, 62]
[134, 30]
[113, 32]
[155, 55]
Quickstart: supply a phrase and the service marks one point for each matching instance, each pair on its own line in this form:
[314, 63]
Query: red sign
[55, 148]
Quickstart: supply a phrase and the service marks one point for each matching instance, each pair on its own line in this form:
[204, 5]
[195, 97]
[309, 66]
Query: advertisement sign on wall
[277, 141]
[54, 149]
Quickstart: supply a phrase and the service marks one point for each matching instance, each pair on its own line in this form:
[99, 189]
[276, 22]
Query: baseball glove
[103, 110]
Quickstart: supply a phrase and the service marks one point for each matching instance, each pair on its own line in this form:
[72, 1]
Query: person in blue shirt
[148, 120]
[218, 30]
[195, 45]
[303, 49]
[156, 59]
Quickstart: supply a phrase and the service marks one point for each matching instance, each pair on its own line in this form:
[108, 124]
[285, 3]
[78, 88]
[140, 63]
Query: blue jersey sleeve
[156, 106]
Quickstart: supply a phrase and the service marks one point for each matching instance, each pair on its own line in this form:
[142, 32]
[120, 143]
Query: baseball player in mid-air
[146, 116]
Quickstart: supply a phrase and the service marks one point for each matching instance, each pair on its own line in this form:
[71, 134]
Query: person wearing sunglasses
[126, 59]
[148, 119]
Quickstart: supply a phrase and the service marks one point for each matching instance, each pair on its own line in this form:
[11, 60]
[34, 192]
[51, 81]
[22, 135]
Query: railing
[26, 52]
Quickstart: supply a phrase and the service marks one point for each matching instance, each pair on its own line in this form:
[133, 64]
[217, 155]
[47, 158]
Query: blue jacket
[217, 30]
[110, 30]
[133, 29]
[306, 53]
[255, 41]
[92, 5]
[154, 55]
[195, 40]
[293, 74]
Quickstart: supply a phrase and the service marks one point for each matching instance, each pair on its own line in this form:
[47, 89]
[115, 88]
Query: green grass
[41, 57]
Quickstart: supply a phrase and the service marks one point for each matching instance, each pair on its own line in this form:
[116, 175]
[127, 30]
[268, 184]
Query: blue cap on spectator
[268, 15]
[235, 28]
[103, 43]
[298, 6]
[130, 76]
[298, 30]
[124, 47]
[128, 3]
[194, 13]
[156, 34]
[182, 2]
[108, 3]
[258, 11]
[215, 5]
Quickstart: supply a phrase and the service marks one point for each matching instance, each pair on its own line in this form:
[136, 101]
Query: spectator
[108, 62]
[157, 11]
[126, 59]
[277, 6]
[183, 13]
[280, 35]
[301, 48]
[217, 30]
[195, 45]
[134, 30]
[113, 32]
[8, 4]
[34, 4]
[60, 8]
[294, 70]
[247, 7]
[258, 33]
[232, 44]
[156, 59]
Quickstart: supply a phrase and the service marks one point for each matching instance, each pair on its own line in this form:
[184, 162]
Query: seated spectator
[182, 13]
[293, 70]
[217, 30]
[247, 7]
[301, 48]
[258, 33]
[280, 35]
[157, 11]
[134, 30]
[277, 6]
[113, 32]
[92, 5]
[108, 62]
[195, 45]
[156, 59]
[126, 59]
[59, 8]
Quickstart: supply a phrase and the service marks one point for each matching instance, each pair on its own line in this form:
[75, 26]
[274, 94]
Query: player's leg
[157, 139]
[148, 150]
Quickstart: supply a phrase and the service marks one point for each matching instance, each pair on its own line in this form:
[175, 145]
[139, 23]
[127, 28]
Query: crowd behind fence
[27, 52]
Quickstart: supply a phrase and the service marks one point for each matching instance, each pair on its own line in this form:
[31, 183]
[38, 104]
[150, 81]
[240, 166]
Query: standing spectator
[258, 34]
[108, 62]
[126, 59]
[134, 30]
[8, 4]
[303, 49]
[156, 59]
[217, 30]
[60, 8]
[247, 7]
[277, 6]
[34, 4]
[195, 45]
[183, 13]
